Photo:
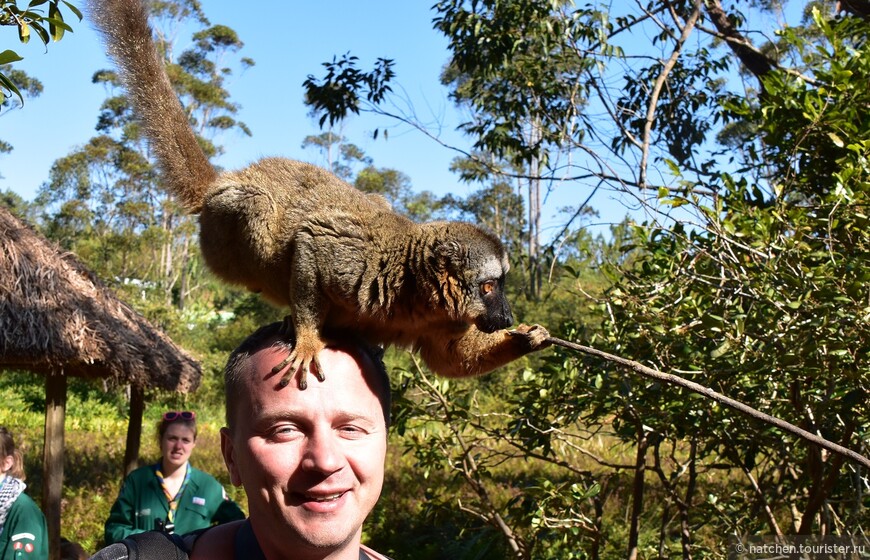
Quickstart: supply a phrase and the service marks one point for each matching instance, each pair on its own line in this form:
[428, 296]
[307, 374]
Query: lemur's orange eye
[487, 287]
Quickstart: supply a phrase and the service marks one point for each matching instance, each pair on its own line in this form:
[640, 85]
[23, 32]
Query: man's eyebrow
[264, 418]
[355, 416]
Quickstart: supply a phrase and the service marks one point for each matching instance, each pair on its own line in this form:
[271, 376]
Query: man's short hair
[238, 370]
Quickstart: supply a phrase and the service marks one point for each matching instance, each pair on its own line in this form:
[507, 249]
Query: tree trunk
[637, 493]
[185, 273]
[52, 484]
[753, 59]
[686, 503]
[134, 429]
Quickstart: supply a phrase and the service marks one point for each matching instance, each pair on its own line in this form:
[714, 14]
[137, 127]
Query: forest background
[745, 151]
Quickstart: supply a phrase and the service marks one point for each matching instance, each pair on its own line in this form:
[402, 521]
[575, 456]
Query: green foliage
[513, 64]
[343, 163]
[104, 200]
[24, 83]
[338, 93]
[766, 299]
[30, 20]
[96, 424]
[687, 110]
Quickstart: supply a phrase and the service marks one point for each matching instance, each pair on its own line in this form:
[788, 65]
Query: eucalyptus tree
[26, 85]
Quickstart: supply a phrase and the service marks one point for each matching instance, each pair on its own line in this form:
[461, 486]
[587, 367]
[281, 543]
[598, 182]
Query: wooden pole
[134, 429]
[52, 484]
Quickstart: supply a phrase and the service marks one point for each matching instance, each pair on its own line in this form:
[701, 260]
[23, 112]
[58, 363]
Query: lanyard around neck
[172, 500]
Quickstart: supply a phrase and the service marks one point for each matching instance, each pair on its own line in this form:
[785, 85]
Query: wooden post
[52, 485]
[134, 429]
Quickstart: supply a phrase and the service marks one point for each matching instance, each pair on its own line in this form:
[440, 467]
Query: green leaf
[56, 26]
[24, 32]
[42, 32]
[5, 83]
[836, 140]
[8, 56]
[73, 9]
[720, 350]
[674, 167]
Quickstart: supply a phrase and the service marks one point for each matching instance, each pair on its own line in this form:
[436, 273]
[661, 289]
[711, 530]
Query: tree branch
[718, 397]
[657, 89]
[753, 59]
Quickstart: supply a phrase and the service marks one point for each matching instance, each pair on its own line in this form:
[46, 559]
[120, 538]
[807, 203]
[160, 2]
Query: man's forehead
[341, 370]
[351, 379]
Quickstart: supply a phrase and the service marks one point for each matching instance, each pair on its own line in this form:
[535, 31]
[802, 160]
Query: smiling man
[311, 461]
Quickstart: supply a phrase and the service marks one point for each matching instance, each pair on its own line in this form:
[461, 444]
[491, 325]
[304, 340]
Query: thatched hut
[59, 320]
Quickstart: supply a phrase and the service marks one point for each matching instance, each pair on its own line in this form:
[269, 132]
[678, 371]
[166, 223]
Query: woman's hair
[7, 448]
[164, 425]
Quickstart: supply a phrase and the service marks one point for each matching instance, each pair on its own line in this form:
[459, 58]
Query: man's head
[238, 369]
[311, 461]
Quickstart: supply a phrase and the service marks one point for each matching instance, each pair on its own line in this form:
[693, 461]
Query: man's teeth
[326, 498]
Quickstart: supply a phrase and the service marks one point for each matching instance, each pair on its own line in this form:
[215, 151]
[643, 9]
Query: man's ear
[228, 451]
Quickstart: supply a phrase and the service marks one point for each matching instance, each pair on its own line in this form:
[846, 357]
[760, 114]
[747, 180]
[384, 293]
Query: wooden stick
[718, 397]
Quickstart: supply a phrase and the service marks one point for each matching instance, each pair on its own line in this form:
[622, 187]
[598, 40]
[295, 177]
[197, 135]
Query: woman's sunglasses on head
[174, 415]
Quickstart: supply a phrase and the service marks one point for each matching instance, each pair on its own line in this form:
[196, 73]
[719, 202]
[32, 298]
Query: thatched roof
[56, 315]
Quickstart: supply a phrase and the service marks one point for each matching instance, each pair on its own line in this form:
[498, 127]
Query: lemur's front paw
[299, 364]
[536, 336]
[301, 359]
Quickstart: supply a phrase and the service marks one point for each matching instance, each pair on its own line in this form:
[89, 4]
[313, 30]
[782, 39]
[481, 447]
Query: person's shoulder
[373, 555]
[216, 543]
[25, 502]
[202, 477]
[141, 472]
[25, 509]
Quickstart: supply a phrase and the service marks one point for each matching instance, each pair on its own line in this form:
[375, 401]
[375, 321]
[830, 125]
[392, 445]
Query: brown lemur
[305, 239]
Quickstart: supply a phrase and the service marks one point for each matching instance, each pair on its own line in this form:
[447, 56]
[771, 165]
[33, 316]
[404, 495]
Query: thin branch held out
[718, 397]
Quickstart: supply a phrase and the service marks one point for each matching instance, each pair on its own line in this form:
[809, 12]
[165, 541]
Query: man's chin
[326, 532]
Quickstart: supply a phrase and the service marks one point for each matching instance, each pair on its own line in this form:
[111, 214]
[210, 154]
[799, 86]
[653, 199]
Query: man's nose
[323, 453]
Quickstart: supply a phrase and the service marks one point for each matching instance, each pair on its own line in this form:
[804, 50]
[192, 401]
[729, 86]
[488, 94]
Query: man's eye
[351, 431]
[284, 431]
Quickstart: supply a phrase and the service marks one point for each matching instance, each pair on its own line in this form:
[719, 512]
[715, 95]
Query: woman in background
[23, 533]
[172, 495]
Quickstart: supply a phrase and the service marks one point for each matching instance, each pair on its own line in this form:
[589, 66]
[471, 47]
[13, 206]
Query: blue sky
[288, 40]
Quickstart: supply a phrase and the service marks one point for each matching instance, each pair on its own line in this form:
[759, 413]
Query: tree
[348, 156]
[30, 86]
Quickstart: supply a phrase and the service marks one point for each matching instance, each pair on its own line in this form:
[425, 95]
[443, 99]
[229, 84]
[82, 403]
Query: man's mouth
[324, 498]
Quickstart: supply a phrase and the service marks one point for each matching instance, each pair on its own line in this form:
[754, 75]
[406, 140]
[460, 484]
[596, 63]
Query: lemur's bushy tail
[128, 37]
